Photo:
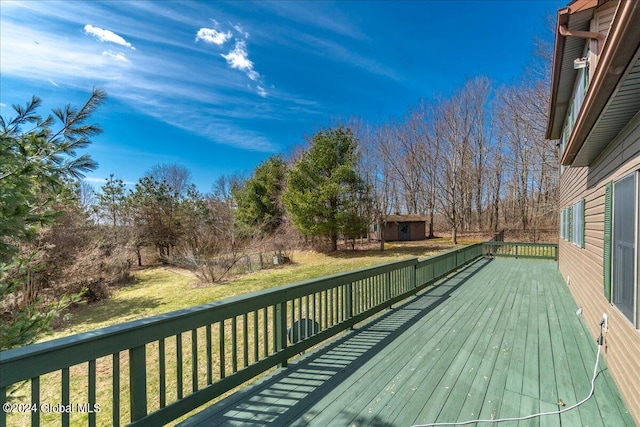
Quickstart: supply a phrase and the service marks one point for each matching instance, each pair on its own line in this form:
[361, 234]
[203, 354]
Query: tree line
[475, 160]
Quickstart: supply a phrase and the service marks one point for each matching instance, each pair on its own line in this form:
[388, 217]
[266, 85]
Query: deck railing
[520, 250]
[154, 370]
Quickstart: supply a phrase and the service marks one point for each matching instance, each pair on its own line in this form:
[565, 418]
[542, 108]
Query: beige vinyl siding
[583, 268]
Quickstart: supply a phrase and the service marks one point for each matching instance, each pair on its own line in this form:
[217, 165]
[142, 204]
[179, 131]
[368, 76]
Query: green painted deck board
[499, 339]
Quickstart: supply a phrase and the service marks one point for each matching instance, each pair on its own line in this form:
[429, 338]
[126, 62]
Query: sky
[218, 87]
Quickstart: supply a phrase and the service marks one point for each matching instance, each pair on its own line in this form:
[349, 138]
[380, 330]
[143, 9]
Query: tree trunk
[430, 235]
[334, 242]
[454, 235]
[381, 233]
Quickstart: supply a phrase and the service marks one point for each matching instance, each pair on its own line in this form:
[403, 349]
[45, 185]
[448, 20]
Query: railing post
[281, 329]
[138, 382]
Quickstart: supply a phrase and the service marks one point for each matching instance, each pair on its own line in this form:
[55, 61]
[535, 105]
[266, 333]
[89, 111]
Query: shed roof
[406, 218]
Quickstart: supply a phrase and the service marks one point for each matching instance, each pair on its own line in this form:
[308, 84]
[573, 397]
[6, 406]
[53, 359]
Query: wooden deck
[499, 339]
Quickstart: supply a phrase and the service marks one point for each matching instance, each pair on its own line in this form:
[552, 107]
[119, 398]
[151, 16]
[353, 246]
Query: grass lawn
[164, 289]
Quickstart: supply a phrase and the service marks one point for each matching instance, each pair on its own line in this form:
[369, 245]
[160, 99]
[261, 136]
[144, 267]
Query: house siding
[583, 268]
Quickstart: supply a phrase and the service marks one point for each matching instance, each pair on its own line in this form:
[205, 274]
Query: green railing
[154, 370]
[520, 250]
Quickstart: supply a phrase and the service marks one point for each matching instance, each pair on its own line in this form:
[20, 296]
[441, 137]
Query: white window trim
[578, 223]
[636, 315]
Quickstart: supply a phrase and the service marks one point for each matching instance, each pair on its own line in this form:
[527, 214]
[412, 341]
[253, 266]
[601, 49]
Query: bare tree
[376, 172]
[177, 178]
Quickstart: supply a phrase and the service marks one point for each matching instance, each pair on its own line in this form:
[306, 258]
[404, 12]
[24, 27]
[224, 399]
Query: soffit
[623, 105]
[566, 51]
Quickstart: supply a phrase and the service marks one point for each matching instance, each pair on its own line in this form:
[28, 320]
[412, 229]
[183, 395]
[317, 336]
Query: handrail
[520, 250]
[216, 346]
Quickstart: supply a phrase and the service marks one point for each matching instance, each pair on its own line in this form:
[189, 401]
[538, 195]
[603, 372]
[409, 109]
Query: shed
[404, 227]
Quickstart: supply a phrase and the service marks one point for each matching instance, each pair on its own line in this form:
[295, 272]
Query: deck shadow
[284, 397]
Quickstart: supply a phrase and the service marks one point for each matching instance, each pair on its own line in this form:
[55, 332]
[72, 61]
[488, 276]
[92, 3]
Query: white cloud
[118, 56]
[156, 83]
[238, 58]
[241, 31]
[53, 83]
[2, 104]
[210, 35]
[107, 36]
[261, 91]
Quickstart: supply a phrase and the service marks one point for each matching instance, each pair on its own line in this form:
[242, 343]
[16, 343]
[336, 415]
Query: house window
[578, 224]
[566, 221]
[624, 283]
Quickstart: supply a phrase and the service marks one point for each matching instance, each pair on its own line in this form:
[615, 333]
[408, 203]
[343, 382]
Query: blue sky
[218, 87]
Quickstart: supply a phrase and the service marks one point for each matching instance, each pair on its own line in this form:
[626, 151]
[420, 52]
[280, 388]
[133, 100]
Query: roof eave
[574, 17]
[614, 61]
[558, 54]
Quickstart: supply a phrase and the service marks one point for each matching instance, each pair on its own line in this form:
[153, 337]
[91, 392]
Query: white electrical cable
[593, 385]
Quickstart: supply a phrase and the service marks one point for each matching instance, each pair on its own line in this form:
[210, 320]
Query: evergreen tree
[111, 201]
[259, 207]
[37, 166]
[325, 195]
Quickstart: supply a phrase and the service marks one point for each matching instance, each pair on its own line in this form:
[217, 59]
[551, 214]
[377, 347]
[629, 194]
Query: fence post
[138, 381]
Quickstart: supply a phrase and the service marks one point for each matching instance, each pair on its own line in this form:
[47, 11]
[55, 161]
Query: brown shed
[404, 227]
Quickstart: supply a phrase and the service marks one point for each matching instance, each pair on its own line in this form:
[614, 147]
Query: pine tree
[37, 167]
[259, 206]
[325, 195]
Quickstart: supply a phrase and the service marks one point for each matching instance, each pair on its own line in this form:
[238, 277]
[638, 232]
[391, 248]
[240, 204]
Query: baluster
[349, 298]
[245, 340]
[265, 330]
[387, 286]
[275, 322]
[222, 355]
[194, 360]
[323, 309]
[179, 365]
[299, 318]
[306, 308]
[35, 400]
[256, 355]
[234, 344]
[92, 392]
[115, 418]
[162, 368]
[3, 400]
[65, 396]
[293, 319]
[209, 355]
[315, 313]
